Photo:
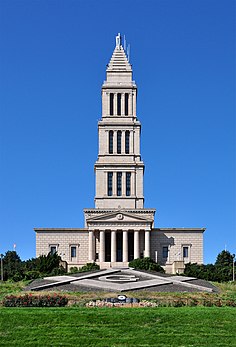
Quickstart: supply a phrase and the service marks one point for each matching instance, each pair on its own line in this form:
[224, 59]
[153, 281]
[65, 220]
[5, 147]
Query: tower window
[73, 251]
[109, 183]
[127, 142]
[119, 135]
[119, 183]
[110, 141]
[126, 104]
[128, 179]
[111, 104]
[119, 104]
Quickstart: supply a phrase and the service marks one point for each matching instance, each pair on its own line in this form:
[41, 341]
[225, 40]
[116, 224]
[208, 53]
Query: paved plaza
[121, 280]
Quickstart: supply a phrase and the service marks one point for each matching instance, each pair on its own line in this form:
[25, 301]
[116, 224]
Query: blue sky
[52, 64]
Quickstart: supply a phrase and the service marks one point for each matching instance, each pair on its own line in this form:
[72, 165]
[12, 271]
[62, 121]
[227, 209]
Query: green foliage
[221, 271]
[17, 270]
[146, 264]
[47, 263]
[12, 266]
[32, 275]
[74, 270]
[89, 267]
[29, 300]
[224, 259]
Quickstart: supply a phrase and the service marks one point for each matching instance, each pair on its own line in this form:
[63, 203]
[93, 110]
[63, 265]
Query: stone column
[114, 187]
[147, 243]
[131, 139]
[123, 183]
[136, 244]
[123, 142]
[134, 104]
[122, 104]
[102, 246]
[133, 184]
[115, 105]
[131, 104]
[113, 246]
[114, 141]
[125, 246]
[91, 246]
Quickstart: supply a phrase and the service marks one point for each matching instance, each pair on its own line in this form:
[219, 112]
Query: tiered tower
[119, 226]
[119, 169]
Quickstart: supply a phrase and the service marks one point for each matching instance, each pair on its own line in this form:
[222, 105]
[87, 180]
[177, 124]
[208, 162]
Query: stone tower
[119, 226]
[119, 169]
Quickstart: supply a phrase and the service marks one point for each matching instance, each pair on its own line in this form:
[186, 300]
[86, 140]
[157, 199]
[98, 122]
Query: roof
[119, 61]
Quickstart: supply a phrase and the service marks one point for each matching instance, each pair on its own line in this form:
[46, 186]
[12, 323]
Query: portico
[118, 245]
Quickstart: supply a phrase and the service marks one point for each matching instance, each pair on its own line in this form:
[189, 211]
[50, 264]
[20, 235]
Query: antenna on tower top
[128, 52]
[124, 43]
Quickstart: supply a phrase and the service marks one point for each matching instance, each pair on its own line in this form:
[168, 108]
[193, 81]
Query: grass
[107, 327]
[185, 326]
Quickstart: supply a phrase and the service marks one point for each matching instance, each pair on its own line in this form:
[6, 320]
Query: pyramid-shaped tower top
[119, 61]
[119, 70]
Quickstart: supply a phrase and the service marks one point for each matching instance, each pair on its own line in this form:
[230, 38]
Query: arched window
[119, 135]
[126, 104]
[127, 142]
[111, 104]
[118, 104]
[110, 142]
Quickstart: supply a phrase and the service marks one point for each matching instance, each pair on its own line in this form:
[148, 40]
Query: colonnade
[125, 247]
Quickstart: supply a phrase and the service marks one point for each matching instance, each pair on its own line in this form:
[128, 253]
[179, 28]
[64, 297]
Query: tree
[224, 259]
[221, 271]
[12, 266]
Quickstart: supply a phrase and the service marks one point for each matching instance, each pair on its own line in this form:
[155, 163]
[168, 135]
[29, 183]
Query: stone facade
[119, 228]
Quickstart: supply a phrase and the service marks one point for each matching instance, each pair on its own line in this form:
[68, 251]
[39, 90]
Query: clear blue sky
[53, 56]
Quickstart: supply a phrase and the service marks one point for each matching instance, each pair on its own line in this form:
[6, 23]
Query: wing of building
[119, 228]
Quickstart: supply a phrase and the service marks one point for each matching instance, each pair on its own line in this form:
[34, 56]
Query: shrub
[89, 267]
[221, 271]
[58, 271]
[32, 275]
[146, 264]
[29, 300]
[74, 270]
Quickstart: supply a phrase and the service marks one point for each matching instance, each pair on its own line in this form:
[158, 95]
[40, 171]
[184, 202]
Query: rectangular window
[53, 249]
[109, 183]
[119, 136]
[118, 104]
[119, 183]
[73, 251]
[110, 142]
[126, 104]
[165, 251]
[128, 179]
[127, 142]
[111, 104]
[185, 252]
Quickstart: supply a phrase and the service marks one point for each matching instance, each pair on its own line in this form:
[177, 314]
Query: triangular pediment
[119, 216]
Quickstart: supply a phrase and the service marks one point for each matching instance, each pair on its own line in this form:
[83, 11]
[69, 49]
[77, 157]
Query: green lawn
[75, 326]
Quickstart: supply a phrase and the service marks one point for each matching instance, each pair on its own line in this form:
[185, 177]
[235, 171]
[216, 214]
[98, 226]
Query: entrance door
[108, 246]
[119, 242]
[130, 246]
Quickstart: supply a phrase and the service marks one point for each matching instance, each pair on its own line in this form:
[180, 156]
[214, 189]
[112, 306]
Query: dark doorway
[119, 242]
[130, 246]
[108, 246]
